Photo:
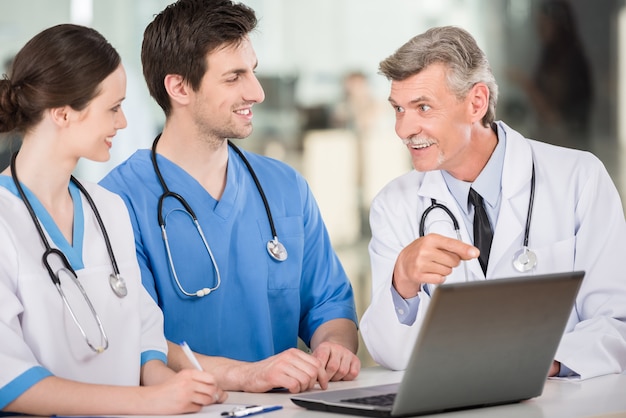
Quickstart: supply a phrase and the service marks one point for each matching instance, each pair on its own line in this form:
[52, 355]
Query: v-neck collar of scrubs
[74, 251]
[178, 180]
[233, 183]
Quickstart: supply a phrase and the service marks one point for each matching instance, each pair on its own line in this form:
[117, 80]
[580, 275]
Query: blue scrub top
[262, 305]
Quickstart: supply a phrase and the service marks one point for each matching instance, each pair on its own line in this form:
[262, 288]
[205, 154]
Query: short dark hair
[453, 47]
[179, 38]
[62, 65]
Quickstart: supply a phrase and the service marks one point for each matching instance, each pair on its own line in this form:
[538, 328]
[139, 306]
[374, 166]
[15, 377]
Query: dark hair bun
[9, 107]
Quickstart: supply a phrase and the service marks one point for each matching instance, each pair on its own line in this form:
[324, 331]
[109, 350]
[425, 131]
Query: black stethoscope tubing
[49, 249]
[531, 202]
[168, 193]
[258, 186]
[524, 261]
[435, 205]
[115, 280]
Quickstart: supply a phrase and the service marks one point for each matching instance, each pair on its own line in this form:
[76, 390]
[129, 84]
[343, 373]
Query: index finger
[463, 250]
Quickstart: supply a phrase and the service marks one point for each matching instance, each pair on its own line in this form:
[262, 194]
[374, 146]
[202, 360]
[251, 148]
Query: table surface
[598, 397]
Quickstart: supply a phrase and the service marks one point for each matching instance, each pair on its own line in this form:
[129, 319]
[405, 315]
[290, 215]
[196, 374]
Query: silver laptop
[482, 343]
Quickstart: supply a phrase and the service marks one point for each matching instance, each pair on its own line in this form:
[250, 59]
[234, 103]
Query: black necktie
[482, 229]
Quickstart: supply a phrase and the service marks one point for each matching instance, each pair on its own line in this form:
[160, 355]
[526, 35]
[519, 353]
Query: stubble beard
[419, 165]
[215, 137]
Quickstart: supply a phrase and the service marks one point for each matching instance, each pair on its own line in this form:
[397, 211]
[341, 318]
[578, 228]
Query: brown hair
[179, 38]
[62, 65]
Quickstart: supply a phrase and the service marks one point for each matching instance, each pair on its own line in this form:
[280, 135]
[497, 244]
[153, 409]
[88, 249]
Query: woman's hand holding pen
[187, 391]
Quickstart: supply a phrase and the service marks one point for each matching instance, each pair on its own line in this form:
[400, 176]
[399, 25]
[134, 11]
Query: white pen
[190, 355]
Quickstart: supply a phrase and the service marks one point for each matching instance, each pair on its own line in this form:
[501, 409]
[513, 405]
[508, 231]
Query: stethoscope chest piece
[525, 260]
[118, 285]
[276, 250]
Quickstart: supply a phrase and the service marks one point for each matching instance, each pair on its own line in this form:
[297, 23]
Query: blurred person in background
[560, 89]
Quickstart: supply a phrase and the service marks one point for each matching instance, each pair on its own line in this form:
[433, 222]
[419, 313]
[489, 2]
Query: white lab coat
[38, 336]
[577, 224]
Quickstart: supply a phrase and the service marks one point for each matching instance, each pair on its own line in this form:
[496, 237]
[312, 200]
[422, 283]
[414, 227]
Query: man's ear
[478, 101]
[177, 88]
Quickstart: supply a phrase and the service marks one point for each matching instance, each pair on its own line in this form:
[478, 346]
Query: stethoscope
[274, 247]
[525, 259]
[116, 281]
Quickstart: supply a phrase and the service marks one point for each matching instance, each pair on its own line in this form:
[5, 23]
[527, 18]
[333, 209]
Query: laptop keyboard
[377, 400]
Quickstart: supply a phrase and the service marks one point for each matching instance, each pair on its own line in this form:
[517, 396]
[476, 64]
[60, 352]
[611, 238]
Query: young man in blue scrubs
[226, 287]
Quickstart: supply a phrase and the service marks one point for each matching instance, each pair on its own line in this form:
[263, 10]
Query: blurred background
[560, 66]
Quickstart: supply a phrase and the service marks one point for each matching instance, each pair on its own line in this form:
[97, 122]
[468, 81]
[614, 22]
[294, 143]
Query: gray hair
[457, 50]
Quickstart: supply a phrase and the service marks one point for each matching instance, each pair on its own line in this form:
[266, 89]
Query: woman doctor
[79, 333]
